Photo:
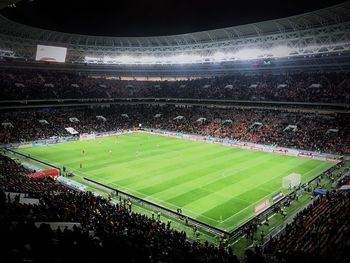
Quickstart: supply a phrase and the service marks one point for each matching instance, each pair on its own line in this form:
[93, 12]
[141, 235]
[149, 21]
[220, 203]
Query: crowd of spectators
[108, 231]
[301, 87]
[319, 233]
[14, 178]
[324, 132]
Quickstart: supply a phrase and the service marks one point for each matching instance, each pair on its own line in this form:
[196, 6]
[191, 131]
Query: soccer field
[215, 184]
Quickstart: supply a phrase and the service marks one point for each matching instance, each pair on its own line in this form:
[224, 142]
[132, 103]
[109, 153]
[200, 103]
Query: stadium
[221, 145]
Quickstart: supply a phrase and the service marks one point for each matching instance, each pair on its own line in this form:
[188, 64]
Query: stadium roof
[321, 18]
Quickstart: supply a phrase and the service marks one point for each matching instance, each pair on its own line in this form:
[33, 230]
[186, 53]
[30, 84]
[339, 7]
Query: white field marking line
[87, 158]
[218, 177]
[171, 205]
[268, 194]
[138, 157]
[102, 163]
[42, 158]
[208, 182]
[215, 193]
[197, 215]
[192, 162]
[228, 218]
[130, 190]
[220, 194]
[264, 196]
[118, 186]
[235, 145]
[169, 152]
[165, 203]
[162, 201]
[221, 176]
[100, 179]
[150, 198]
[178, 156]
[59, 164]
[223, 221]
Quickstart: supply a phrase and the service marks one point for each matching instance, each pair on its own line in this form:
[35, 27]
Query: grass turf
[215, 184]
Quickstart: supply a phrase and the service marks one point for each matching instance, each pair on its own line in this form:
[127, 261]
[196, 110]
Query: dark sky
[152, 17]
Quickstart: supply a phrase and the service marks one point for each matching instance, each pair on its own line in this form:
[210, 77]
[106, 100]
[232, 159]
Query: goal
[291, 180]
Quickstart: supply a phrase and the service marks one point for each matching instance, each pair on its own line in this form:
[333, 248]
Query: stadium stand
[108, 230]
[312, 131]
[298, 99]
[302, 87]
[318, 234]
[14, 179]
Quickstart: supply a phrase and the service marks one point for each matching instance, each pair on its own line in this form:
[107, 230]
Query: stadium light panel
[219, 56]
[281, 51]
[246, 54]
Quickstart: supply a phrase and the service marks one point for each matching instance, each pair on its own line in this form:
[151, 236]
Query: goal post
[291, 180]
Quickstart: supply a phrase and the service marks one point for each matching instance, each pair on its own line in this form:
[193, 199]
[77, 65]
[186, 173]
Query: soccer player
[81, 165]
[83, 151]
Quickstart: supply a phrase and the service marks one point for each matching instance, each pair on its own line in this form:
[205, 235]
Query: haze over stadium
[174, 131]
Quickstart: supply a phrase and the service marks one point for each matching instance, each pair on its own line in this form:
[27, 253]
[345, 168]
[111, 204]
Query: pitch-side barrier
[247, 145]
[163, 210]
[208, 139]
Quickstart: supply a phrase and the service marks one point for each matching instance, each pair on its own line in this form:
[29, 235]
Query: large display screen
[51, 53]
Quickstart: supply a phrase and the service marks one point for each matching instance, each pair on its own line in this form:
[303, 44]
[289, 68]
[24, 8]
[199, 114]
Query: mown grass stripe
[217, 184]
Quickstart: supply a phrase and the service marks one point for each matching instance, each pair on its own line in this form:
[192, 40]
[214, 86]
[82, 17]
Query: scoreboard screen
[51, 53]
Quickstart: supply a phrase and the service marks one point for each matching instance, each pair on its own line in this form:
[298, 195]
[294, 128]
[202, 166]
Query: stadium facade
[314, 41]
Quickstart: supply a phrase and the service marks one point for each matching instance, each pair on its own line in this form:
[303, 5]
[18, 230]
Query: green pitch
[215, 184]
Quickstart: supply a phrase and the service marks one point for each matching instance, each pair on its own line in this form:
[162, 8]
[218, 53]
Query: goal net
[291, 180]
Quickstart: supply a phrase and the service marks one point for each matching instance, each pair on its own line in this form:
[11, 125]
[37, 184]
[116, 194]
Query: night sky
[152, 17]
